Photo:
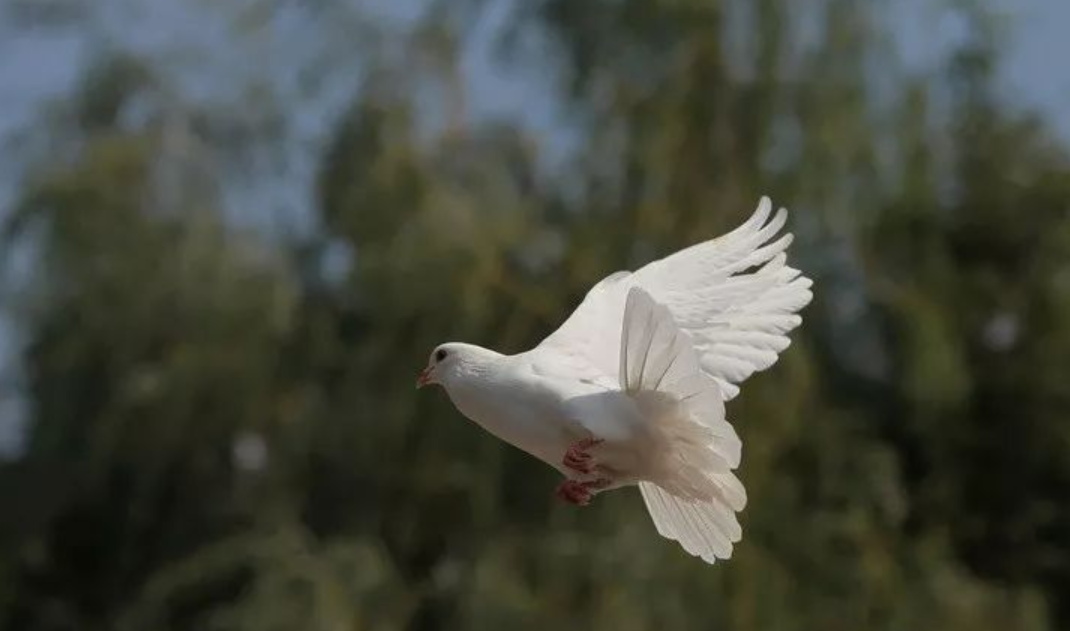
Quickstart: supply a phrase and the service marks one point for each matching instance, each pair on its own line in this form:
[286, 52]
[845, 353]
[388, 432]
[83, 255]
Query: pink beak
[423, 378]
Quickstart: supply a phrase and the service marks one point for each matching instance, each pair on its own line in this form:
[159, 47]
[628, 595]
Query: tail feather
[691, 494]
[704, 529]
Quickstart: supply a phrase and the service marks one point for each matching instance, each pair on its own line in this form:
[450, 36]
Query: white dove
[631, 388]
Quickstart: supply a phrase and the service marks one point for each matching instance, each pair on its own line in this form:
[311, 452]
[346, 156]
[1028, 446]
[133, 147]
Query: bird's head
[452, 361]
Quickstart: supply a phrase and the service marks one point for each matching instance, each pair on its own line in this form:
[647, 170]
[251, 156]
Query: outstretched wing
[735, 296]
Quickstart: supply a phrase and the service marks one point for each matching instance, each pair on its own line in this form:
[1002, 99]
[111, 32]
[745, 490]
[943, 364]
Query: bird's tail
[690, 491]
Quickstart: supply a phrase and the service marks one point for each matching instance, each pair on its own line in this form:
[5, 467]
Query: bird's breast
[532, 421]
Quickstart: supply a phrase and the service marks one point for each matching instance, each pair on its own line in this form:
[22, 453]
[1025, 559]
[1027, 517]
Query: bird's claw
[580, 493]
[578, 458]
[574, 492]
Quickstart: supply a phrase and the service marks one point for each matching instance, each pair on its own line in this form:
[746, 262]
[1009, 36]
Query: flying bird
[631, 389]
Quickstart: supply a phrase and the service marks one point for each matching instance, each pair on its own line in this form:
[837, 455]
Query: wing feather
[735, 296]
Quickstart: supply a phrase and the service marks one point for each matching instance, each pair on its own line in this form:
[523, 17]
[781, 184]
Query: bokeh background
[232, 230]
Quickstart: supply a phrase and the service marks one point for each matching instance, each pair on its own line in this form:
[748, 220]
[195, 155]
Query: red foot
[578, 458]
[580, 493]
[574, 492]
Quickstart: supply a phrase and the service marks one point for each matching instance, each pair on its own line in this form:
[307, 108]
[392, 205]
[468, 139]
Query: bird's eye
[440, 354]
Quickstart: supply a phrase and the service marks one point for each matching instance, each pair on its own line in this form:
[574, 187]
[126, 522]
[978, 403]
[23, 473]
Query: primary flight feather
[631, 389]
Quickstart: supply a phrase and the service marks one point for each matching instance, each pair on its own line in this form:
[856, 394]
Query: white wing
[734, 295]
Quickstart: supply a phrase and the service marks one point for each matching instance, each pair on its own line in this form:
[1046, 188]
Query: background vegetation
[221, 431]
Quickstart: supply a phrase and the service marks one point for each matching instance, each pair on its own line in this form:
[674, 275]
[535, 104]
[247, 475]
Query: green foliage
[223, 429]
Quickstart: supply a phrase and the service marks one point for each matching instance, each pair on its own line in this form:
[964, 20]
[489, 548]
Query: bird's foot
[578, 457]
[580, 493]
[574, 492]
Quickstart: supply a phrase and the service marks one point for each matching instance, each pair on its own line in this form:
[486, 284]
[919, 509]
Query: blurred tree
[970, 274]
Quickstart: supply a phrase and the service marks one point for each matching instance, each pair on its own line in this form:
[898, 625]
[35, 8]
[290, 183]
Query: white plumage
[631, 388]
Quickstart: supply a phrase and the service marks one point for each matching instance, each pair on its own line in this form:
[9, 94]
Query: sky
[41, 66]
[1037, 71]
